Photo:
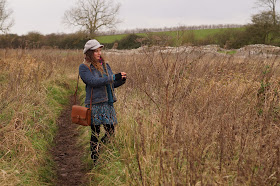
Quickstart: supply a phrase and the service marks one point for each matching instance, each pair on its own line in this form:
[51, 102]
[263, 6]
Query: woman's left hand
[123, 75]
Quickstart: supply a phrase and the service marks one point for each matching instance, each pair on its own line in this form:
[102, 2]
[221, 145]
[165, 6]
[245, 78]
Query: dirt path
[67, 155]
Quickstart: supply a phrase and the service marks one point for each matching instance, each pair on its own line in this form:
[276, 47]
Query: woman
[102, 82]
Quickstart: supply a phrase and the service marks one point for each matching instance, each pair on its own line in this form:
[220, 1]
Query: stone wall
[258, 50]
[265, 51]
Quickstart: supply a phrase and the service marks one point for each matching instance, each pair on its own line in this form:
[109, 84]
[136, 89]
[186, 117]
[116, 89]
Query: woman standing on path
[102, 82]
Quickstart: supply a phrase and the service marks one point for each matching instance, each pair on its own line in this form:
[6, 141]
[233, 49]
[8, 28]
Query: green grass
[230, 52]
[110, 38]
[3, 77]
[6, 116]
[199, 34]
[40, 128]
[57, 95]
[42, 139]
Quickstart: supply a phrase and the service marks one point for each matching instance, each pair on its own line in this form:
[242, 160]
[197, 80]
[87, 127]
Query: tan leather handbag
[81, 115]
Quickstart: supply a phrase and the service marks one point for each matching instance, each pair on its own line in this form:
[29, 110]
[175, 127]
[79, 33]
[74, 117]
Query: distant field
[199, 34]
[110, 38]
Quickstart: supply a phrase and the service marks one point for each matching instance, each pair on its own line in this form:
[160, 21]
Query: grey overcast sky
[45, 16]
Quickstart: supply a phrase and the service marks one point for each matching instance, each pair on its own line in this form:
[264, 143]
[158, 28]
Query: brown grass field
[185, 118]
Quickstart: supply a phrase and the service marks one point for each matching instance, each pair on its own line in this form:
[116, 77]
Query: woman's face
[97, 53]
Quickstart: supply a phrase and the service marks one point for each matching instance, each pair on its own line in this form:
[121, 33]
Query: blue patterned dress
[103, 113]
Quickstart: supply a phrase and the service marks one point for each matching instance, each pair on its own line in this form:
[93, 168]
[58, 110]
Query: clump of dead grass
[28, 110]
[197, 118]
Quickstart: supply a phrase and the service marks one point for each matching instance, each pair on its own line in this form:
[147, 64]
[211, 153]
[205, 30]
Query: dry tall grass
[195, 118]
[29, 80]
[185, 118]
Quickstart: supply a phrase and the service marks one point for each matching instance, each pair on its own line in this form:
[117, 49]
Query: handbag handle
[75, 95]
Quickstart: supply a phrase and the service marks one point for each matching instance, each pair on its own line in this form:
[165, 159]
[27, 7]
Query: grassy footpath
[32, 98]
[28, 161]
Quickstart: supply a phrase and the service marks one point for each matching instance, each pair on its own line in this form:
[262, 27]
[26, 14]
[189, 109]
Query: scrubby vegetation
[35, 84]
[186, 116]
[194, 117]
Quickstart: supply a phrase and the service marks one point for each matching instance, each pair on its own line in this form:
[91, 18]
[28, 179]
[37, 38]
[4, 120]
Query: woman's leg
[95, 130]
[109, 131]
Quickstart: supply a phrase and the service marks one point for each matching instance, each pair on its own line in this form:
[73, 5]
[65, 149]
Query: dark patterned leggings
[95, 131]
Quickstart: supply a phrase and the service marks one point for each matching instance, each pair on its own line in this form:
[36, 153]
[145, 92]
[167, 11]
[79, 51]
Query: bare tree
[93, 15]
[270, 5]
[6, 21]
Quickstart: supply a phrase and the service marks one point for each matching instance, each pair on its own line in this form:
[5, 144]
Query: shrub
[231, 38]
[129, 42]
[189, 37]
